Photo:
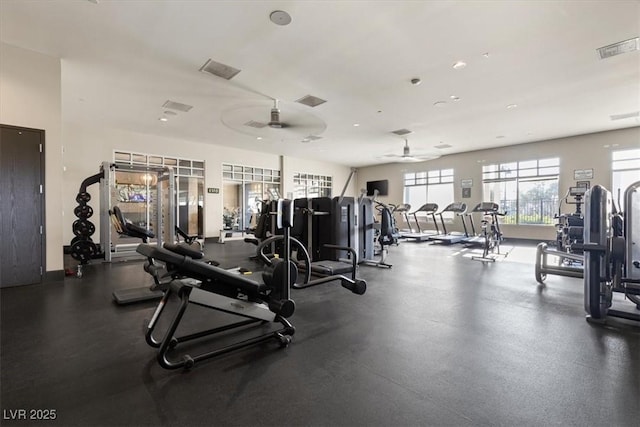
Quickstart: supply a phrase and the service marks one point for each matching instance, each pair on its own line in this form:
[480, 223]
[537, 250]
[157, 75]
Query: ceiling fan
[265, 120]
[407, 157]
[275, 122]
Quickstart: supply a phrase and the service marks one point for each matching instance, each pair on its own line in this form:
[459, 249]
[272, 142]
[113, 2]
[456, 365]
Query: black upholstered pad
[202, 271]
[183, 249]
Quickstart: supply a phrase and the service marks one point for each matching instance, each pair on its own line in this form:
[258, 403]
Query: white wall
[577, 152]
[86, 147]
[30, 96]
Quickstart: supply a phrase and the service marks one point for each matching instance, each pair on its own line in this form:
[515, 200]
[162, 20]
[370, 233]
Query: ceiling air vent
[619, 48]
[625, 116]
[311, 101]
[218, 69]
[402, 132]
[442, 146]
[172, 105]
[254, 124]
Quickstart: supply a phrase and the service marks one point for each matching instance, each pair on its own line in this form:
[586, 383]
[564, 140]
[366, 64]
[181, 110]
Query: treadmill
[422, 235]
[485, 208]
[448, 238]
[403, 209]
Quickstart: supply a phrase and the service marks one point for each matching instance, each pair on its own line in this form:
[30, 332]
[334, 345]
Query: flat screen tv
[382, 187]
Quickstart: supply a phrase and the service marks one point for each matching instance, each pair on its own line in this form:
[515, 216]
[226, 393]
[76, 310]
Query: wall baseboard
[53, 276]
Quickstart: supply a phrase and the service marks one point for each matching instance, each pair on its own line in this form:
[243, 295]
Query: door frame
[43, 198]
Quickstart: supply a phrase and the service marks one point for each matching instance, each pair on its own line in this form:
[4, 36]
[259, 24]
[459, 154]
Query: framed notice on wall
[582, 174]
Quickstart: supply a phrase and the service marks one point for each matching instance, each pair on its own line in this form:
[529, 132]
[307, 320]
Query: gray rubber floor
[437, 340]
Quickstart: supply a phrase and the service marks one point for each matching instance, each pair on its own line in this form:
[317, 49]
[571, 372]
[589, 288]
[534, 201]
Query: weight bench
[221, 290]
[125, 227]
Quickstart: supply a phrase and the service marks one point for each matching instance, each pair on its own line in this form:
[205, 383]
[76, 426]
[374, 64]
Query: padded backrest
[123, 226]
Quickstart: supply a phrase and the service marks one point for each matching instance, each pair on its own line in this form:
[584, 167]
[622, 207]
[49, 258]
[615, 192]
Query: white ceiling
[122, 60]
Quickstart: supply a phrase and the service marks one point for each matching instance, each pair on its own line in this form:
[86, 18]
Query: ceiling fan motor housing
[275, 118]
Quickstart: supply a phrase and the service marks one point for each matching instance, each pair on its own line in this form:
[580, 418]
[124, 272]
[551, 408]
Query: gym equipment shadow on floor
[436, 340]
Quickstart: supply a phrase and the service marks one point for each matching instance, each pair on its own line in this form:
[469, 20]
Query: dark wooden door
[21, 206]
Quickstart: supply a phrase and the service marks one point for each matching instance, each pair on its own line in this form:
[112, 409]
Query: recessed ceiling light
[614, 145]
[163, 119]
[606, 146]
[170, 113]
[459, 65]
[415, 81]
[280, 17]
[439, 103]
[259, 138]
[356, 124]
[379, 111]
[512, 106]
[486, 54]
[455, 98]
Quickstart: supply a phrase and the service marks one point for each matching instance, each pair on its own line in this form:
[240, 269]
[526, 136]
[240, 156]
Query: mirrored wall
[189, 194]
[243, 191]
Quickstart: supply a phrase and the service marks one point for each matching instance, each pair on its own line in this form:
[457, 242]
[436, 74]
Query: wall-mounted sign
[466, 183]
[213, 190]
[583, 174]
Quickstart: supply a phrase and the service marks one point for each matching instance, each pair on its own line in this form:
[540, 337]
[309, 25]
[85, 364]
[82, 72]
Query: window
[434, 186]
[243, 190]
[189, 175]
[527, 191]
[309, 185]
[625, 167]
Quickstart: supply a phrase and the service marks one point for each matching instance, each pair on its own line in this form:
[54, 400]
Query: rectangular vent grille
[218, 69]
[172, 105]
[442, 146]
[254, 124]
[311, 101]
[402, 132]
[625, 116]
[619, 48]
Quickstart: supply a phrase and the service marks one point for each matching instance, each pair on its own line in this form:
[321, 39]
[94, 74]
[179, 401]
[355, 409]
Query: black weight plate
[83, 211]
[83, 250]
[83, 228]
[78, 238]
[83, 197]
